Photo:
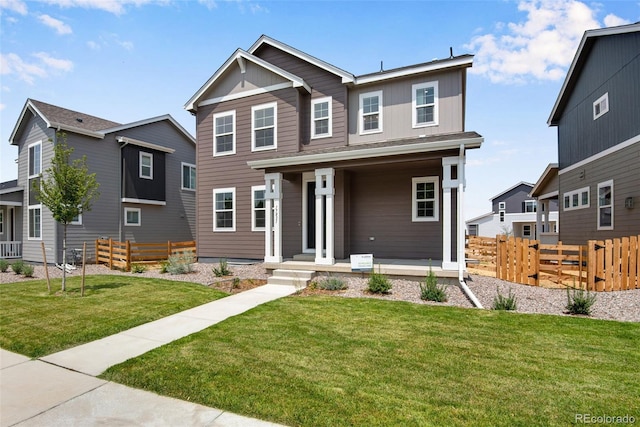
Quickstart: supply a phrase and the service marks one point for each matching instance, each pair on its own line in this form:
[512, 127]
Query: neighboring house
[597, 114]
[513, 212]
[297, 156]
[10, 219]
[146, 172]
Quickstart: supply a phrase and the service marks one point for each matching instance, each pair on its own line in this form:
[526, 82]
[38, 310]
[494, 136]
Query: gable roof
[549, 174]
[528, 184]
[588, 39]
[149, 121]
[240, 56]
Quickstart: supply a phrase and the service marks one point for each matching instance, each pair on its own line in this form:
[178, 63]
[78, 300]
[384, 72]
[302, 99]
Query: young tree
[67, 189]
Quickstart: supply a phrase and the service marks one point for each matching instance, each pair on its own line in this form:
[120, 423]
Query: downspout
[122, 183]
[461, 229]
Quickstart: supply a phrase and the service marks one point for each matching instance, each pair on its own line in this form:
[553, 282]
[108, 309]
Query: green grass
[35, 323]
[323, 361]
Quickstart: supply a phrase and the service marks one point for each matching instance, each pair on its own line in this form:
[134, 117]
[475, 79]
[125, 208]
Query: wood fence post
[110, 253]
[624, 263]
[536, 262]
[127, 255]
[168, 249]
[634, 262]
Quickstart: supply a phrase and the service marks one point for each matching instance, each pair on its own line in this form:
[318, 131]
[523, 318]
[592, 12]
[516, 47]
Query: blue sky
[127, 60]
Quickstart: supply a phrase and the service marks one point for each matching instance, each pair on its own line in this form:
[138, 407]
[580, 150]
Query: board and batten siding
[613, 67]
[579, 225]
[397, 108]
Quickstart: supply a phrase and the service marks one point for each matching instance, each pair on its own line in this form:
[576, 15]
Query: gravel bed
[620, 305]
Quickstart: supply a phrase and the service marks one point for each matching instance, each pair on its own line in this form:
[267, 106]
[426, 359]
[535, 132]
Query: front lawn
[326, 361]
[35, 323]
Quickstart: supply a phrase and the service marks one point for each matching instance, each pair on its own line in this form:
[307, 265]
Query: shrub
[430, 290]
[181, 263]
[27, 270]
[331, 283]
[17, 266]
[500, 302]
[236, 282]
[580, 301]
[379, 283]
[222, 269]
[4, 265]
[138, 268]
[164, 267]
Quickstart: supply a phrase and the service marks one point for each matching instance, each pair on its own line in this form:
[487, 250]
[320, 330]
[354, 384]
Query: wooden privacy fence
[481, 252]
[609, 265]
[122, 254]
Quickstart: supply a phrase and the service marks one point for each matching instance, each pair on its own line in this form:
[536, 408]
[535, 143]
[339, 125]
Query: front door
[309, 216]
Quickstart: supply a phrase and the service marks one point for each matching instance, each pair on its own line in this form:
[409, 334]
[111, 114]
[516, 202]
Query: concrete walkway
[61, 389]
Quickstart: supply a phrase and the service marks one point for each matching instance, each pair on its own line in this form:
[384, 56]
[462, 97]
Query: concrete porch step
[298, 278]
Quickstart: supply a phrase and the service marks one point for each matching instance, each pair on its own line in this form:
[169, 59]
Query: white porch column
[448, 231]
[539, 226]
[547, 213]
[324, 199]
[273, 224]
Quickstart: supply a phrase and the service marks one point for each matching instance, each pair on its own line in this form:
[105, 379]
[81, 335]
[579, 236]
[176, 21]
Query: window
[528, 206]
[35, 159]
[502, 205]
[321, 118]
[77, 220]
[146, 165]
[473, 229]
[188, 176]
[425, 104]
[370, 112]
[605, 205]
[577, 199]
[501, 216]
[1, 222]
[264, 119]
[258, 208]
[35, 222]
[132, 216]
[425, 199]
[526, 230]
[601, 106]
[224, 133]
[224, 212]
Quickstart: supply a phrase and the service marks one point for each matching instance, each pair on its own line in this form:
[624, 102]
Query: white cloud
[541, 47]
[3, 106]
[56, 24]
[209, 4]
[116, 7]
[17, 6]
[13, 65]
[93, 45]
[54, 63]
[612, 20]
[126, 44]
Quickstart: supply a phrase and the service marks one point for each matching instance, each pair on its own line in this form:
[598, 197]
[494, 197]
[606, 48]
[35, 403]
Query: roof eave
[465, 61]
[151, 120]
[27, 106]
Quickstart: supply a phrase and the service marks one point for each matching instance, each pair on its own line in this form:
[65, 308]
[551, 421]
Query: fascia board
[424, 68]
[151, 121]
[27, 106]
[144, 144]
[59, 126]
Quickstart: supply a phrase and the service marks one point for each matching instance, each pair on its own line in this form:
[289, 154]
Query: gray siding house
[299, 158]
[146, 172]
[597, 114]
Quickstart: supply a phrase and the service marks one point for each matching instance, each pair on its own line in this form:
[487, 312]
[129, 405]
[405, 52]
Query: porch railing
[11, 249]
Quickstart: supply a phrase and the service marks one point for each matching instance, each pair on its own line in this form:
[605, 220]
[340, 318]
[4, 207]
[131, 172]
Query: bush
[4, 265]
[222, 269]
[500, 302]
[331, 283]
[17, 266]
[580, 301]
[164, 267]
[379, 283]
[181, 263]
[138, 268]
[27, 270]
[430, 290]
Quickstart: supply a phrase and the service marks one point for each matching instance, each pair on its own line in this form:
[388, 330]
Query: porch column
[273, 224]
[324, 199]
[547, 214]
[448, 230]
[539, 225]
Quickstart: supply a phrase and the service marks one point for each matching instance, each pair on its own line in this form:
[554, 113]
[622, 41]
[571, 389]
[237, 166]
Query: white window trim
[377, 93]
[524, 228]
[436, 200]
[190, 166]
[603, 99]
[1, 222]
[231, 190]
[79, 221]
[29, 209]
[600, 185]
[329, 101]
[140, 156]
[570, 195]
[532, 203]
[29, 160]
[231, 113]
[255, 188]
[133, 224]
[273, 105]
[502, 205]
[414, 105]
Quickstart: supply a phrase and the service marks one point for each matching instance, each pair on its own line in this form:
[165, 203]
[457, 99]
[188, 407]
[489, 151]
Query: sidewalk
[61, 389]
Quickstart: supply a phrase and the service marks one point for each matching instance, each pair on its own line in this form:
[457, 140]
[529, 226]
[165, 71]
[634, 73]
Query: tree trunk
[64, 259]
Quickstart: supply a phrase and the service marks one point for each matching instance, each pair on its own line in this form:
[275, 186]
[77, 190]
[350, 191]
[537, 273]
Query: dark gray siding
[136, 187]
[513, 199]
[612, 67]
[578, 226]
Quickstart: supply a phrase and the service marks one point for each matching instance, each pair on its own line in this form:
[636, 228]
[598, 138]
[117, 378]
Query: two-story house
[597, 114]
[146, 172]
[515, 212]
[297, 156]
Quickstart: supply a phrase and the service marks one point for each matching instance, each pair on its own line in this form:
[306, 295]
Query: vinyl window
[224, 209]
[425, 199]
[146, 165]
[321, 118]
[529, 206]
[35, 222]
[35, 159]
[188, 176]
[601, 106]
[605, 205]
[1, 222]
[576, 199]
[264, 129]
[258, 208]
[224, 133]
[132, 217]
[370, 112]
[425, 104]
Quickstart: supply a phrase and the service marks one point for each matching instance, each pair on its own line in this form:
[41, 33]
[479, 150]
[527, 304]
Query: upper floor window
[264, 120]
[258, 208]
[224, 211]
[601, 106]
[425, 104]
[35, 159]
[576, 199]
[370, 112]
[146, 165]
[224, 133]
[502, 205]
[605, 205]
[321, 117]
[425, 199]
[188, 176]
[528, 206]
